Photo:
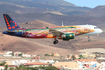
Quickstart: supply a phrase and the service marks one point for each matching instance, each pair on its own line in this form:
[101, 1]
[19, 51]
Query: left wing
[55, 32]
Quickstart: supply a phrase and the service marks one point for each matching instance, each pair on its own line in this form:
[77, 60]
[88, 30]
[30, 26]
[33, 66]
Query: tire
[55, 42]
[89, 40]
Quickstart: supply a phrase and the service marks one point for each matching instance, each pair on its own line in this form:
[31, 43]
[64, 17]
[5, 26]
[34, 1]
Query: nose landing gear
[89, 38]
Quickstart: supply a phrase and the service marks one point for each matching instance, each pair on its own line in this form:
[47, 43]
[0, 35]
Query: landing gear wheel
[55, 42]
[89, 40]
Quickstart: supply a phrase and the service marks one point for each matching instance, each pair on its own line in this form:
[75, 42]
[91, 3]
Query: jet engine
[68, 36]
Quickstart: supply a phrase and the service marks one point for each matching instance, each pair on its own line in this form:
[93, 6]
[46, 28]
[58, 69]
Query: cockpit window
[95, 27]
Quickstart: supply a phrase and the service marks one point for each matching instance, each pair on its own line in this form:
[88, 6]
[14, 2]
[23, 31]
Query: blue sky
[87, 3]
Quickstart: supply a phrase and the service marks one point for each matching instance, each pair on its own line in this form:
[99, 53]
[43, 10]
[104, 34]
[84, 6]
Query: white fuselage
[95, 28]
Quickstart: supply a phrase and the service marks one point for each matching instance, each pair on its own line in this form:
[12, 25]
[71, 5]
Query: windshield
[95, 27]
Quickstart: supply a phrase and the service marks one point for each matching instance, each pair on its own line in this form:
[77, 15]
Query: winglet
[62, 23]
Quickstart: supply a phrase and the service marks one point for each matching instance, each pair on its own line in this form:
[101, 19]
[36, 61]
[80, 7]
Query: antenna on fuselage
[62, 23]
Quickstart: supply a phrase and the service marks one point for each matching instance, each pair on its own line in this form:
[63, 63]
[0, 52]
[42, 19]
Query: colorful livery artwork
[58, 32]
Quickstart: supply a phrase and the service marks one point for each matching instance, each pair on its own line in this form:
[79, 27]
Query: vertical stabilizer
[10, 23]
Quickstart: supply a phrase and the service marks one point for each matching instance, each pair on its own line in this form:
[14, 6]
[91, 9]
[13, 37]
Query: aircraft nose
[100, 31]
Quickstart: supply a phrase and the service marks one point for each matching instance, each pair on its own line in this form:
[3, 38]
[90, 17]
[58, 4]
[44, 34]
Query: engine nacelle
[68, 36]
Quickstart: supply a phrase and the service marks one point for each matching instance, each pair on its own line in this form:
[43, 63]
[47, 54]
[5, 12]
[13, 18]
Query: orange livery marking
[15, 23]
[13, 27]
[8, 23]
[9, 27]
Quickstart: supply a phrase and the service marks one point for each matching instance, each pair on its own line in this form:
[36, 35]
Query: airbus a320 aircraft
[58, 32]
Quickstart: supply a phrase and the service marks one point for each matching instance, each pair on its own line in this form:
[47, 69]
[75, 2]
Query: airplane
[65, 33]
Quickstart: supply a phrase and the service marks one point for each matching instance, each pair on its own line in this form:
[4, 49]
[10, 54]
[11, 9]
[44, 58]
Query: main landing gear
[56, 41]
[89, 38]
